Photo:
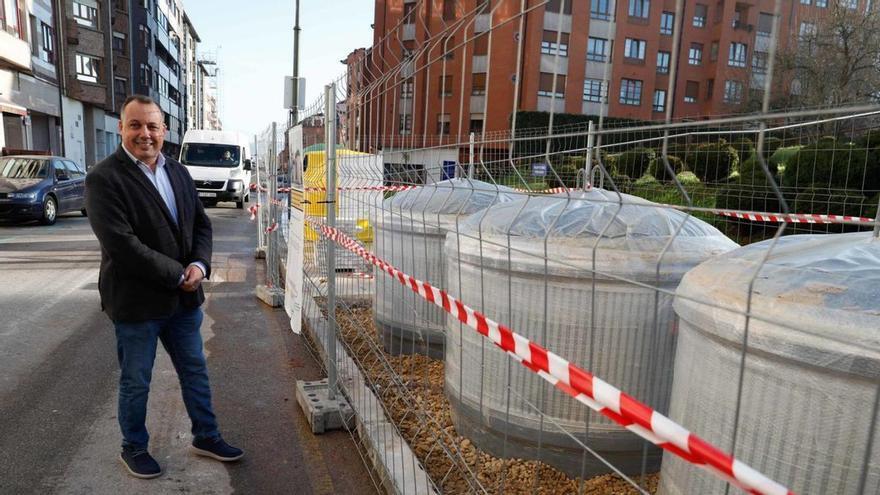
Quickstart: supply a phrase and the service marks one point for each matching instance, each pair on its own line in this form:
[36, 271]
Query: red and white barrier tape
[272, 228]
[580, 384]
[792, 217]
[253, 210]
[754, 216]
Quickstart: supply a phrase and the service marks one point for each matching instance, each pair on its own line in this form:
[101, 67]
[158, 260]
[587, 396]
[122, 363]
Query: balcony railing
[742, 26]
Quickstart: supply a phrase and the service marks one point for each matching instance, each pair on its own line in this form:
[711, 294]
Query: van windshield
[210, 155]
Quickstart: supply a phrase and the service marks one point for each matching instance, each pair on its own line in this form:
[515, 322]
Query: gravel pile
[411, 387]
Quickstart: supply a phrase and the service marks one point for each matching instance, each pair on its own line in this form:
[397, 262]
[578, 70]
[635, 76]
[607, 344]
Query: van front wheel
[240, 204]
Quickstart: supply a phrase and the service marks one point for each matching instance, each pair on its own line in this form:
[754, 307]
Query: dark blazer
[143, 251]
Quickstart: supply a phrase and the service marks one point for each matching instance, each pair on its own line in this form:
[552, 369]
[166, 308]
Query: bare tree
[832, 59]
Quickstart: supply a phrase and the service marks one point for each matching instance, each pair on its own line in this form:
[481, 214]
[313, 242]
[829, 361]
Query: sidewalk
[254, 362]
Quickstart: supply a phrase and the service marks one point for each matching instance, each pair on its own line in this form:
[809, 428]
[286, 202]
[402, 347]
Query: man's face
[143, 131]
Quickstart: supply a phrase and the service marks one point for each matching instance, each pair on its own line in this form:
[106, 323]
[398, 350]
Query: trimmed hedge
[831, 164]
[712, 162]
[657, 168]
[635, 162]
[751, 172]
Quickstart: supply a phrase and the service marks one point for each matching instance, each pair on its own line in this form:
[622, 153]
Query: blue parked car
[40, 188]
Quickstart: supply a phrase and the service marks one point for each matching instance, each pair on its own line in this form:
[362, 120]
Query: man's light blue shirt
[162, 183]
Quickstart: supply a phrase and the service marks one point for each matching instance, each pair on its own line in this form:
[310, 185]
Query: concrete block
[323, 413]
[272, 296]
[260, 253]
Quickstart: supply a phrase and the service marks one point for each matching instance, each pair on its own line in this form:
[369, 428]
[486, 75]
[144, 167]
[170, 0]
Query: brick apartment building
[722, 56]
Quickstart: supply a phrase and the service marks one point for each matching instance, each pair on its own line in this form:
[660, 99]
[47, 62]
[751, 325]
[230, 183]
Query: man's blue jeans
[136, 347]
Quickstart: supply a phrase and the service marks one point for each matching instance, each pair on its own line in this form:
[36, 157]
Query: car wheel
[209, 204]
[50, 211]
[240, 204]
[83, 211]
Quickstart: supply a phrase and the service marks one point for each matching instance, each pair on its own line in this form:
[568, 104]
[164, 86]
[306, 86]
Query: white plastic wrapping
[623, 332]
[410, 235]
[812, 372]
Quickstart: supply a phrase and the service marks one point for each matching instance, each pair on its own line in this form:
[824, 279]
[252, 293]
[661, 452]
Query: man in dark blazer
[155, 250]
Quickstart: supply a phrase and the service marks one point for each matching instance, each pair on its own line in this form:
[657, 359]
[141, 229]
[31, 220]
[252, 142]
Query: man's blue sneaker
[139, 463]
[216, 448]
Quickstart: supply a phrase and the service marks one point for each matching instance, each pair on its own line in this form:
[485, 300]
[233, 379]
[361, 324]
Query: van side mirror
[247, 164]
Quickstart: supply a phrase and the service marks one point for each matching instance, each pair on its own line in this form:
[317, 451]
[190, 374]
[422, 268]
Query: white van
[219, 163]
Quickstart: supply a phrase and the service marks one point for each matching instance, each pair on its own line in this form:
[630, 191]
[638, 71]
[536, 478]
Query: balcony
[742, 26]
[15, 51]
[480, 64]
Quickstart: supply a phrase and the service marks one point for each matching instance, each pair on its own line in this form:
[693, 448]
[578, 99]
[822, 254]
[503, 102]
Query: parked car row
[40, 188]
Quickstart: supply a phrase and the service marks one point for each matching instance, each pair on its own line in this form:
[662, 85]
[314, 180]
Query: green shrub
[771, 144]
[646, 180]
[634, 162]
[751, 172]
[780, 158]
[871, 139]
[744, 148]
[712, 162]
[687, 178]
[823, 201]
[658, 170]
[830, 164]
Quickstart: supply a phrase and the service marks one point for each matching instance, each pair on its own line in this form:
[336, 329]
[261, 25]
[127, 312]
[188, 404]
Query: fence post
[271, 293]
[330, 135]
[588, 168]
[471, 158]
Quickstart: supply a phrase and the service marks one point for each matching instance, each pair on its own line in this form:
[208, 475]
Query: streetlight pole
[294, 112]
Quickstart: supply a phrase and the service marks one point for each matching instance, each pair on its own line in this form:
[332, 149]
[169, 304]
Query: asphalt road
[58, 379]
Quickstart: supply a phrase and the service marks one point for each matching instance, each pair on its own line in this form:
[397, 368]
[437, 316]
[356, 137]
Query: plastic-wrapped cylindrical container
[592, 301]
[410, 235]
[811, 373]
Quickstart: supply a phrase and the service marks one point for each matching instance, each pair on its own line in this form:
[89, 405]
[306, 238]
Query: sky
[254, 45]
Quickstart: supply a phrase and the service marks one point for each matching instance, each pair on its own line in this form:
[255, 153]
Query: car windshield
[210, 155]
[23, 168]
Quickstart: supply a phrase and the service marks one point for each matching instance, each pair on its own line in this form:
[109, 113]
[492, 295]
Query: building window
[760, 62]
[478, 84]
[695, 54]
[404, 126]
[545, 85]
[85, 15]
[634, 49]
[120, 89]
[119, 43]
[596, 49]
[146, 74]
[736, 57]
[806, 2]
[765, 24]
[850, 4]
[822, 3]
[667, 21]
[443, 124]
[807, 30]
[700, 13]
[549, 46]
[639, 8]
[47, 50]
[733, 92]
[594, 90]
[406, 90]
[600, 10]
[409, 15]
[87, 68]
[476, 125]
[448, 10]
[691, 91]
[630, 92]
[662, 62]
[445, 86]
[9, 12]
[659, 100]
[555, 5]
[145, 37]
